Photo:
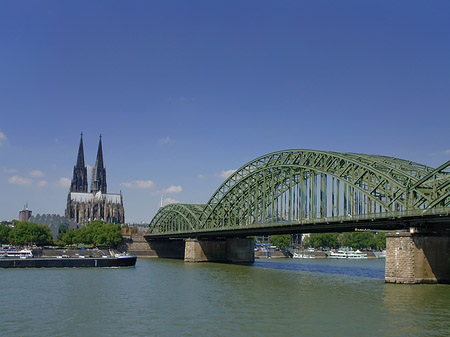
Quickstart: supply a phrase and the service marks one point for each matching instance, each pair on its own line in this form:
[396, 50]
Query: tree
[380, 239]
[62, 229]
[324, 240]
[359, 240]
[4, 233]
[28, 232]
[281, 241]
[94, 233]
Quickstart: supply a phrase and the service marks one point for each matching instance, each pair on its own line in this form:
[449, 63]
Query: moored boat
[347, 254]
[21, 253]
[302, 256]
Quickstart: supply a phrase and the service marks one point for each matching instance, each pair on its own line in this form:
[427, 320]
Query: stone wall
[234, 250]
[417, 258]
[136, 245]
[204, 250]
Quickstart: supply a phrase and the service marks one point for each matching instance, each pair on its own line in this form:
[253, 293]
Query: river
[160, 297]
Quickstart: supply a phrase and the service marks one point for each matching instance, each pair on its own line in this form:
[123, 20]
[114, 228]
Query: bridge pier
[234, 250]
[413, 257]
[166, 248]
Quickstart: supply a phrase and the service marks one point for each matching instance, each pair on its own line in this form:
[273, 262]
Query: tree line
[25, 233]
[94, 233]
[28, 233]
[357, 240]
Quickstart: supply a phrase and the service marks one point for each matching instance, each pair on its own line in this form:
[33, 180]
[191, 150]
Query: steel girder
[293, 185]
[176, 217]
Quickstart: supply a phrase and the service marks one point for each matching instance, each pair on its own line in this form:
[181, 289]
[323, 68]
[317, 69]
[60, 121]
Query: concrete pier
[234, 250]
[417, 258]
[171, 249]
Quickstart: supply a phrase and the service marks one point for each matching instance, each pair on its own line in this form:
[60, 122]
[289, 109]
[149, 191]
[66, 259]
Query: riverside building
[84, 206]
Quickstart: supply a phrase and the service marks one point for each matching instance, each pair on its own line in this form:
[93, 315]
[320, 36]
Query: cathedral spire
[79, 180]
[99, 173]
[80, 160]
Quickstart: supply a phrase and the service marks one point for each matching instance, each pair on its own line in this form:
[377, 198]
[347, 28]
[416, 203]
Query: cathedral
[84, 206]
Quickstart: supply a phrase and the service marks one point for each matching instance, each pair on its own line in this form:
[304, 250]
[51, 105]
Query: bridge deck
[438, 218]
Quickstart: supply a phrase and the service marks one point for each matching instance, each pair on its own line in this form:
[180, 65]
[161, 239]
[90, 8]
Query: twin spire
[99, 173]
[80, 181]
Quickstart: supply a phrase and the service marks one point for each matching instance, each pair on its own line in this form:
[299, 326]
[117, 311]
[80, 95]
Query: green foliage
[28, 233]
[95, 233]
[62, 229]
[356, 240]
[4, 234]
[380, 239]
[361, 240]
[324, 240]
[281, 241]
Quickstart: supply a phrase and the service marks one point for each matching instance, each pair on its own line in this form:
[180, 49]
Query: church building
[84, 206]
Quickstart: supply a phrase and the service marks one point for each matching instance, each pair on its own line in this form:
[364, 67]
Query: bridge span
[306, 191]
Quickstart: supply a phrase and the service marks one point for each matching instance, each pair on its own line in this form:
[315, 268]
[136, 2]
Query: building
[54, 222]
[25, 214]
[98, 204]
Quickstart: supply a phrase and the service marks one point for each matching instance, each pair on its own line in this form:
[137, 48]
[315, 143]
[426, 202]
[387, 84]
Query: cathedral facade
[98, 204]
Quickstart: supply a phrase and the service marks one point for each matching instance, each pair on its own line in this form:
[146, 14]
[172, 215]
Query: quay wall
[135, 244]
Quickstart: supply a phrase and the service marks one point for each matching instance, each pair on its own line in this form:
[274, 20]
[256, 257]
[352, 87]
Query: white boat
[302, 256]
[347, 254]
[380, 255]
[22, 253]
[120, 255]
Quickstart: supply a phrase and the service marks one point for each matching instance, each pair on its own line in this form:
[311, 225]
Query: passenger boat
[22, 253]
[380, 255]
[302, 256]
[347, 254]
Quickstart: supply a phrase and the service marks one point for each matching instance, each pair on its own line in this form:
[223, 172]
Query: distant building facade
[84, 206]
[25, 214]
[54, 222]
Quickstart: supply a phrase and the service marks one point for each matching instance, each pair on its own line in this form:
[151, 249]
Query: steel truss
[298, 185]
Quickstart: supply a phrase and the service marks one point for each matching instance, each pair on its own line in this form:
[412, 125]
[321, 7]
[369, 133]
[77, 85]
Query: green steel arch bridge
[306, 191]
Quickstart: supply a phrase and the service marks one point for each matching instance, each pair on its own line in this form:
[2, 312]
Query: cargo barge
[22, 261]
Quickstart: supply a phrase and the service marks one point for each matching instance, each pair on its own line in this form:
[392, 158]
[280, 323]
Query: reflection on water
[173, 298]
[339, 267]
[419, 310]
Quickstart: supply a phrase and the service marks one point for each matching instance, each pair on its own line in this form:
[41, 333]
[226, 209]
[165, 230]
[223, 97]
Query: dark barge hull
[53, 262]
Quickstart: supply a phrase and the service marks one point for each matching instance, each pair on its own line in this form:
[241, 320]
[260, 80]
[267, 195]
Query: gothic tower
[99, 173]
[79, 180]
[85, 207]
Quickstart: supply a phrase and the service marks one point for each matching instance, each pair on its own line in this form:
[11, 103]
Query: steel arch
[294, 185]
[179, 217]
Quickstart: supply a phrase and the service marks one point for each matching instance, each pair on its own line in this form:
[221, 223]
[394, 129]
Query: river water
[160, 297]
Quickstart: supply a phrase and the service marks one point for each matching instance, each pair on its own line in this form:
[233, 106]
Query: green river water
[162, 297]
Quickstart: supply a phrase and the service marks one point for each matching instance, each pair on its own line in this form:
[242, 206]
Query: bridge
[306, 191]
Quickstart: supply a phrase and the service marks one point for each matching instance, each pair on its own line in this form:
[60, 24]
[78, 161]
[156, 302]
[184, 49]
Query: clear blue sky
[184, 91]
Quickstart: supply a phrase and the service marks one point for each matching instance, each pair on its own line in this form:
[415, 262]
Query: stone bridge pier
[233, 250]
[417, 257]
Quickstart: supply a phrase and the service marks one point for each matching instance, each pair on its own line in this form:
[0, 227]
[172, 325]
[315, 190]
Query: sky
[185, 92]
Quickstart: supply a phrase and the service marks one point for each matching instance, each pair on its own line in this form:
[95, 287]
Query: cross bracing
[300, 186]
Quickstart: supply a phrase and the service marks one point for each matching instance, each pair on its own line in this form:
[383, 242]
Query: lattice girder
[295, 185]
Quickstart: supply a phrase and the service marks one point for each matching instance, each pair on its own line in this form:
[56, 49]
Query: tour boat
[22, 253]
[347, 254]
[302, 256]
